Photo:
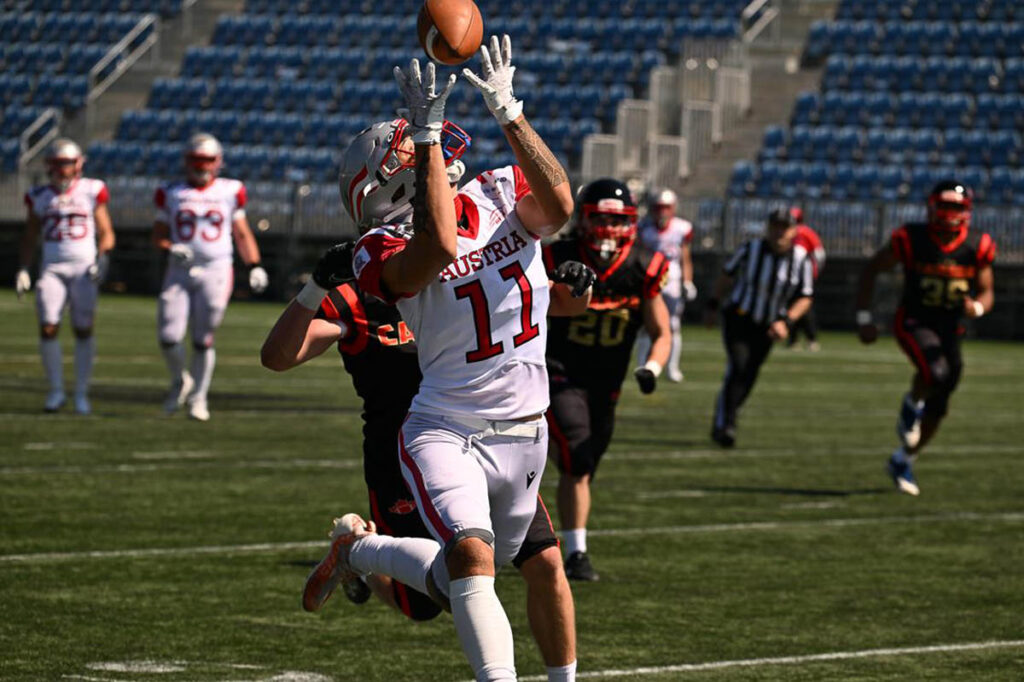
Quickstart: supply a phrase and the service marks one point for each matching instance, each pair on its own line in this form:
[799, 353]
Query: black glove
[646, 379]
[335, 266]
[575, 274]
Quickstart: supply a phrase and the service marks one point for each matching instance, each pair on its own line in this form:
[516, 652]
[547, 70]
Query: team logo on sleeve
[360, 259]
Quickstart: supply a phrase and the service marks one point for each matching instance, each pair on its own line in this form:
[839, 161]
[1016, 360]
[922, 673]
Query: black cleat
[357, 591]
[725, 437]
[577, 567]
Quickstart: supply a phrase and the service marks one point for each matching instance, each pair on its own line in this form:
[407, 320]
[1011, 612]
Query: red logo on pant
[402, 507]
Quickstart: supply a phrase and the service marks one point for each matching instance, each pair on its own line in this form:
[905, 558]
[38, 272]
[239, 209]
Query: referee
[762, 290]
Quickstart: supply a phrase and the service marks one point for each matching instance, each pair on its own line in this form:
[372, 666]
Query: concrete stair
[776, 79]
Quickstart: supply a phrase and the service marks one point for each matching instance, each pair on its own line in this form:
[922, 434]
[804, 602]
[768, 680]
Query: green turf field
[138, 547]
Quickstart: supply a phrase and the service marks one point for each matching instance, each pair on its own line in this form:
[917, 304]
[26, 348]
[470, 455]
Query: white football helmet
[64, 161]
[203, 159]
[377, 178]
[663, 207]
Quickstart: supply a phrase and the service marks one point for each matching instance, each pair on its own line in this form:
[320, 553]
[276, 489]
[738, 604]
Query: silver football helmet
[203, 159]
[64, 161]
[377, 178]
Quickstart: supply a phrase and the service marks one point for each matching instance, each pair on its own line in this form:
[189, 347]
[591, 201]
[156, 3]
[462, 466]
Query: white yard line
[791, 660]
[270, 547]
[184, 464]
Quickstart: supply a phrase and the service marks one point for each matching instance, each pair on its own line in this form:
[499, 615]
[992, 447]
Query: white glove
[424, 106]
[98, 271]
[181, 253]
[496, 84]
[22, 282]
[690, 290]
[258, 279]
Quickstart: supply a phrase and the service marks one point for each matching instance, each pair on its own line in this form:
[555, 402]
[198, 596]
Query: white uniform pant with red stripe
[60, 283]
[198, 294]
[474, 477]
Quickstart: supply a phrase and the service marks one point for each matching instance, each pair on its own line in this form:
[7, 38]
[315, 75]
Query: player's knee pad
[48, 331]
[202, 345]
[83, 332]
[167, 344]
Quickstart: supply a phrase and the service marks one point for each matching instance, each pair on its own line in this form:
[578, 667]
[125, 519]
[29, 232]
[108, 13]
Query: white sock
[203, 362]
[677, 349]
[407, 560]
[483, 628]
[85, 351]
[174, 356]
[563, 673]
[49, 349]
[575, 540]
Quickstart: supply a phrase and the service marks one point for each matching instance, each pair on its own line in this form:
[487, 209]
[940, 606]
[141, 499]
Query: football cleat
[178, 393]
[54, 401]
[908, 425]
[197, 410]
[357, 591]
[725, 437]
[82, 405]
[333, 569]
[814, 347]
[578, 567]
[903, 476]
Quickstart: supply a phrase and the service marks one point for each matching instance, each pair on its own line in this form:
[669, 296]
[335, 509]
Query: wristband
[250, 266]
[311, 295]
[654, 366]
[979, 308]
[864, 318]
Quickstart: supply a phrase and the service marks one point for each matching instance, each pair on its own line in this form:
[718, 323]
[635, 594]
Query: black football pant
[808, 324]
[581, 421]
[935, 351]
[747, 346]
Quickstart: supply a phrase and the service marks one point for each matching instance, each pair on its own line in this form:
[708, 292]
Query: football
[450, 31]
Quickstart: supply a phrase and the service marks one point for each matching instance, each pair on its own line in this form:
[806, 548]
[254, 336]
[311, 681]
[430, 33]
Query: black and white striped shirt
[767, 283]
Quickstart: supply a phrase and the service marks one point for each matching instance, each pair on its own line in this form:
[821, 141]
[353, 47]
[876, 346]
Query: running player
[71, 215]
[943, 261]
[588, 355]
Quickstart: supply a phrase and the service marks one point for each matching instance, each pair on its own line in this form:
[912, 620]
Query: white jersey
[67, 219]
[201, 217]
[670, 242]
[481, 326]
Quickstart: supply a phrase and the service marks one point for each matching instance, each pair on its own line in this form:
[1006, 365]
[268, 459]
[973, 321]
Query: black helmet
[949, 206]
[606, 197]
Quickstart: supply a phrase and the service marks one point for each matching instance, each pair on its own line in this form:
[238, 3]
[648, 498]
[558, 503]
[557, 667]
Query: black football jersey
[937, 276]
[378, 351]
[594, 348]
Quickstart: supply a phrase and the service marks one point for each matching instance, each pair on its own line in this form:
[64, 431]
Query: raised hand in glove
[22, 282]
[258, 279]
[335, 267]
[646, 379]
[98, 270]
[496, 83]
[424, 106]
[576, 275]
[181, 253]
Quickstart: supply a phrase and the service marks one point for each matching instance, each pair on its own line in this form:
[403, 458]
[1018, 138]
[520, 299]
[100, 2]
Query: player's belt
[524, 427]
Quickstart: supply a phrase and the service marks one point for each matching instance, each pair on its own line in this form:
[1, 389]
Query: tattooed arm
[549, 204]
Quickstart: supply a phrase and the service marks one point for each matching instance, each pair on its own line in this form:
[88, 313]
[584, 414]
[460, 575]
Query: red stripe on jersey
[522, 185]
[466, 213]
[375, 248]
[910, 346]
[657, 271]
[986, 250]
[901, 245]
[102, 196]
[160, 198]
[549, 258]
[361, 332]
[240, 196]
[561, 442]
[424, 501]
[330, 310]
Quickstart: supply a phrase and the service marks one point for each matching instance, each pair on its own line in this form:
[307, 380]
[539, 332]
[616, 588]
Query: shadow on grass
[803, 492]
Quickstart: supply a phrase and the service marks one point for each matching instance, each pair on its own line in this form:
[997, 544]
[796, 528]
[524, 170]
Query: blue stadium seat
[774, 143]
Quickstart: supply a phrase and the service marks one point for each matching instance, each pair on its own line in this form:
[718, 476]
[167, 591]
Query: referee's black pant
[747, 345]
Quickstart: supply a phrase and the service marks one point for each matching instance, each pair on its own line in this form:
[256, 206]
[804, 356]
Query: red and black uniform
[588, 355]
[936, 277]
[379, 352]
